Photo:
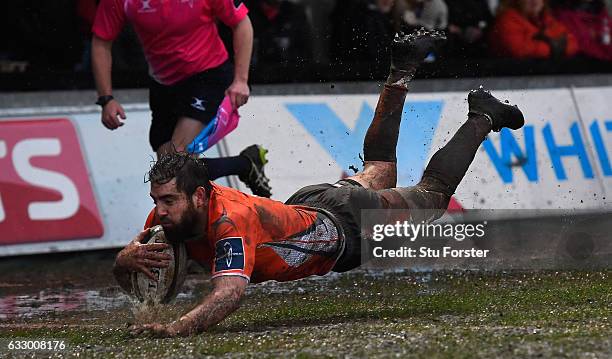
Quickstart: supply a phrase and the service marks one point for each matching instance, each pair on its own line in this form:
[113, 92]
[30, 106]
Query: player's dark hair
[189, 172]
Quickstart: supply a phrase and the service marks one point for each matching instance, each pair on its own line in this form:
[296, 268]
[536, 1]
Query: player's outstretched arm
[216, 306]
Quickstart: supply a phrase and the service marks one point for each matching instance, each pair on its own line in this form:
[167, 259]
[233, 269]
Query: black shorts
[197, 97]
[344, 200]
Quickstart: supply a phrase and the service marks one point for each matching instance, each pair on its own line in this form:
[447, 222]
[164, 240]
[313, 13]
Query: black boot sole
[501, 114]
[409, 50]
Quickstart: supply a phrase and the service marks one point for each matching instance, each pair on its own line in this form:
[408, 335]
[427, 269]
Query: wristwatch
[103, 100]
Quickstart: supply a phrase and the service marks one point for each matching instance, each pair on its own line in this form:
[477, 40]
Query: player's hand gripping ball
[168, 280]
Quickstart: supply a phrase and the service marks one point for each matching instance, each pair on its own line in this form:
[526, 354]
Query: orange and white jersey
[261, 239]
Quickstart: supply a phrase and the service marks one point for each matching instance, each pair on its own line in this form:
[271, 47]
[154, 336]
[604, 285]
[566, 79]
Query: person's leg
[449, 165]
[163, 118]
[226, 166]
[204, 95]
[248, 165]
[195, 102]
[185, 130]
[380, 142]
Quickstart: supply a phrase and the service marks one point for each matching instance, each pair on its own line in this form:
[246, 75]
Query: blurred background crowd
[46, 44]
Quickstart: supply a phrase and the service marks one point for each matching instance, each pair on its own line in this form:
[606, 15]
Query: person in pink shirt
[190, 69]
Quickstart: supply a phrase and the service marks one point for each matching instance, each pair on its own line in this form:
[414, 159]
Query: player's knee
[170, 147]
[425, 203]
[382, 174]
[421, 196]
[180, 147]
[433, 198]
[430, 203]
[438, 192]
[179, 144]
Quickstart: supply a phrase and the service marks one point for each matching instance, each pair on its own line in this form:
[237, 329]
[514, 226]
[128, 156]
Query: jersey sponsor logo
[229, 254]
[45, 193]
[198, 104]
[145, 6]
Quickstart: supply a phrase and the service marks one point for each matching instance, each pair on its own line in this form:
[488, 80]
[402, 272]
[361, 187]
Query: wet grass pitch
[362, 314]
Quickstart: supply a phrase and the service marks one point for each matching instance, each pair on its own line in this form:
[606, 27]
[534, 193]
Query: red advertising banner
[45, 192]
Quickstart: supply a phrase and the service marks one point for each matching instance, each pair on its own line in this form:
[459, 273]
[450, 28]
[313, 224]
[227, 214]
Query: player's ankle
[482, 120]
[400, 78]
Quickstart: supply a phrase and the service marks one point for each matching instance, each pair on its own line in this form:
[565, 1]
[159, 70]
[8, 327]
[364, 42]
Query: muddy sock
[449, 165]
[381, 139]
[401, 78]
[227, 166]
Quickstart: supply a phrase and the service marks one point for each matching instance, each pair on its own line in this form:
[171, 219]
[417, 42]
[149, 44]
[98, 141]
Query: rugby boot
[256, 178]
[409, 50]
[498, 113]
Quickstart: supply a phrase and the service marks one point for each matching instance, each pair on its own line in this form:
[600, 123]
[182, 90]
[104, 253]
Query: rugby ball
[168, 280]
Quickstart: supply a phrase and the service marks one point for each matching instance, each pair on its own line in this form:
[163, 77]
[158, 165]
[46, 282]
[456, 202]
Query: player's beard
[186, 228]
